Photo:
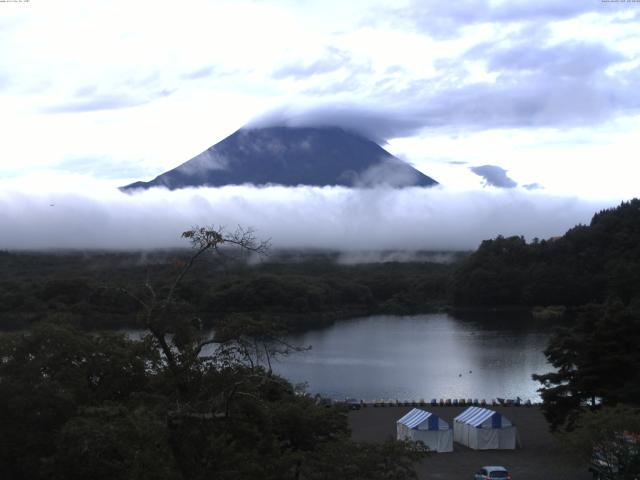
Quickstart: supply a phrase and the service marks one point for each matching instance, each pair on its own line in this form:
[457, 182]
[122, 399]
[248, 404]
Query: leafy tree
[113, 442]
[610, 438]
[588, 264]
[596, 363]
[391, 460]
[48, 374]
[78, 405]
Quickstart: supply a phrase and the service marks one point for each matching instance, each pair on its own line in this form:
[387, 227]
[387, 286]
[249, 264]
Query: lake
[421, 356]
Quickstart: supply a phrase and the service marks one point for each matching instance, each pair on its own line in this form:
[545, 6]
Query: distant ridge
[291, 156]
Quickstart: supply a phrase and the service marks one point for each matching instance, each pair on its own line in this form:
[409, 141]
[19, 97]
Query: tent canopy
[484, 429]
[418, 425]
[421, 420]
[482, 418]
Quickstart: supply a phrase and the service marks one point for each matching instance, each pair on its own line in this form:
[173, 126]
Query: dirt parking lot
[541, 456]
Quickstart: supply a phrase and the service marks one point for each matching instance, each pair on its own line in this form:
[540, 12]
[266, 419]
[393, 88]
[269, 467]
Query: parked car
[492, 471]
[353, 403]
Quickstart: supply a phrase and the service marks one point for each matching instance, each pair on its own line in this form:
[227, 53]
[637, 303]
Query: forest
[588, 264]
[77, 401]
[86, 287]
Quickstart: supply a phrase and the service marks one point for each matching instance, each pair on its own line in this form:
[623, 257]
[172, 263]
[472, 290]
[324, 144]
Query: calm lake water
[422, 356]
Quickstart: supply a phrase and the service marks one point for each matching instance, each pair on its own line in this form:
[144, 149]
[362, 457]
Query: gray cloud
[533, 186]
[537, 84]
[104, 102]
[5, 81]
[631, 19]
[389, 172]
[86, 91]
[378, 124]
[101, 102]
[353, 76]
[335, 218]
[332, 60]
[353, 82]
[92, 97]
[572, 58]
[203, 72]
[512, 101]
[206, 161]
[103, 167]
[445, 19]
[382, 256]
[494, 176]
[556, 86]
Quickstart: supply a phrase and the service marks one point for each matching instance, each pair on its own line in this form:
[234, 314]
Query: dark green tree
[588, 264]
[53, 372]
[609, 438]
[596, 363]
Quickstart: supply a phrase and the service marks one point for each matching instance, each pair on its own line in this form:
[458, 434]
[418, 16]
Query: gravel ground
[541, 456]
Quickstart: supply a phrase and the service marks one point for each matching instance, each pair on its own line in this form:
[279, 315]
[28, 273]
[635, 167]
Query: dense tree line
[586, 265]
[86, 288]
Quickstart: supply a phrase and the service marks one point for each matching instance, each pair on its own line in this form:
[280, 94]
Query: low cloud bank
[301, 217]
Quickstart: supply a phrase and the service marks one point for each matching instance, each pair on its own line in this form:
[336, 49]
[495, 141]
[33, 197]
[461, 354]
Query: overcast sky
[538, 100]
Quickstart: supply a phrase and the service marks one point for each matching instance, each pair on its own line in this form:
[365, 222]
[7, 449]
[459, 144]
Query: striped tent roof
[475, 416]
[415, 417]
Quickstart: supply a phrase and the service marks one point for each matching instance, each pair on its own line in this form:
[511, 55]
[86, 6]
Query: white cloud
[96, 215]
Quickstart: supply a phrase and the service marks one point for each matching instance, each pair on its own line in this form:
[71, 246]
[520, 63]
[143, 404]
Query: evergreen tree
[596, 363]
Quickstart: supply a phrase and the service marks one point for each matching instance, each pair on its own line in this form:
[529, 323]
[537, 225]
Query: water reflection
[422, 356]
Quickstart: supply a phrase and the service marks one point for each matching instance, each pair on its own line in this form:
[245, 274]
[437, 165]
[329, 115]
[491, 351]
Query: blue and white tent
[430, 429]
[483, 429]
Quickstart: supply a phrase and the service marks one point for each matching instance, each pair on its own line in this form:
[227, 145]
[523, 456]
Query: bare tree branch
[181, 349]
